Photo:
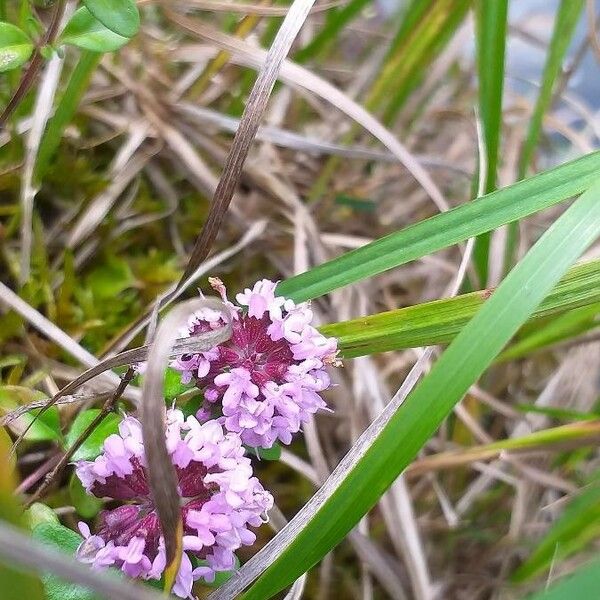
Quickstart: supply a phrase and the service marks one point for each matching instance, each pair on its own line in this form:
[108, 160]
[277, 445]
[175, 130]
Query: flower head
[220, 499]
[265, 381]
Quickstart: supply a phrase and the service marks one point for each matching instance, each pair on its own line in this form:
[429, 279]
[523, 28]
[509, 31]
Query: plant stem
[30, 74]
[62, 463]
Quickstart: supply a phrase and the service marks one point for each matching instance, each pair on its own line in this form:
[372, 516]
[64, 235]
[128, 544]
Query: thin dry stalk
[161, 472]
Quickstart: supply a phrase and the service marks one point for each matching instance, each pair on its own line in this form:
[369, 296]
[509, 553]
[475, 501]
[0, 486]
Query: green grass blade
[413, 423]
[443, 230]
[424, 29]
[583, 584]
[573, 530]
[562, 328]
[490, 21]
[564, 27]
[461, 365]
[406, 66]
[335, 21]
[438, 322]
[78, 84]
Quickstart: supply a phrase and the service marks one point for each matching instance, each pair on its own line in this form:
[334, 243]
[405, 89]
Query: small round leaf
[272, 453]
[92, 447]
[173, 386]
[85, 504]
[120, 16]
[15, 47]
[39, 513]
[44, 428]
[85, 31]
[65, 540]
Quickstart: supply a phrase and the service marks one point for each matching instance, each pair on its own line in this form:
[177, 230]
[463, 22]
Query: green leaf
[39, 513]
[15, 47]
[45, 428]
[15, 585]
[415, 421]
[220, 576]
[111, 278]
[272, 453]
[439, 321]
[490, 36]
[584, 584]
[57, 535]
[120, 16]
[85, 31]
[577, 526]
[468, 220]
[87, 506]
[67, 105]
[192, 406]
[92, 447]
[67, 541]
[565, 22]
[173, 386]
[565, 326]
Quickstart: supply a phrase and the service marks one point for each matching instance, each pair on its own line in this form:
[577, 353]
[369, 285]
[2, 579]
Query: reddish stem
[30, 74]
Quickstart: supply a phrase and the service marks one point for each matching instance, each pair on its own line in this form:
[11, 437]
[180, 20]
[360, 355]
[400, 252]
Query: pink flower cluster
[220, 500]
[265, 381]
[259, 387]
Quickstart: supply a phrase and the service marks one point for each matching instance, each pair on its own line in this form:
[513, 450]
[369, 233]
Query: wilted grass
[358, 193]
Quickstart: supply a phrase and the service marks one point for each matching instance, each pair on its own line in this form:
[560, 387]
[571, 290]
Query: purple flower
[220, 499]
[265, 381]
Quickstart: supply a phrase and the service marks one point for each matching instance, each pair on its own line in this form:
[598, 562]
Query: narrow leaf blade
[468, 220]
[439, 321]
[318, 528]
[491, 21]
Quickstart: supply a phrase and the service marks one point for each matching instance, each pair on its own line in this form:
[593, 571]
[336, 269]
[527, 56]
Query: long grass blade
[162, 477]
[578, 433]
[439, 321]
[419, 41]
[249, 123]
[78, 84]
[390, 443]
[490, 20]
[16, 548]
[564, 27]
[468, 220]
[584, 583]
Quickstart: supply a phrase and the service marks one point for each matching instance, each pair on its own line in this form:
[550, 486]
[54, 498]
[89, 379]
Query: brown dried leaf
[250, 121]
[161, 473]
